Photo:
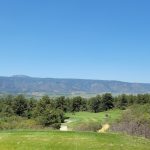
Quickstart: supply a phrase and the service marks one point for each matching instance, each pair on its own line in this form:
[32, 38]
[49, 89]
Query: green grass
[56, 140]
[85, 117]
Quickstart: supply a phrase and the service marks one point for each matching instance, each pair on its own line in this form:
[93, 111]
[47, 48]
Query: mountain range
[25, 84]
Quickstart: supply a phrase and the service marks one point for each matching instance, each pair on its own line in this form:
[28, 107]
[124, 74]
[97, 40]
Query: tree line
[49, 111]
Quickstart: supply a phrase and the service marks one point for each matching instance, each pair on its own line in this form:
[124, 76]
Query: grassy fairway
[85, 117]
[56, 140]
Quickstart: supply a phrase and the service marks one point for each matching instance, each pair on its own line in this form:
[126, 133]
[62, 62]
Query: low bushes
[89, 126]
[17, 122]
[135, 121]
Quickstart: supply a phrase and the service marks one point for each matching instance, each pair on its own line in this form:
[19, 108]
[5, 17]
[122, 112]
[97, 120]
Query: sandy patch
[104, 128]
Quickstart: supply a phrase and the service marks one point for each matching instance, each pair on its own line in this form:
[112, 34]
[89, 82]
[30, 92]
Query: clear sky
[91, 39]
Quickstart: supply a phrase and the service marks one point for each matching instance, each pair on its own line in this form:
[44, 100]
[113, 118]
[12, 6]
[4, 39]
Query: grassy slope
[84, 117]
[56, 140]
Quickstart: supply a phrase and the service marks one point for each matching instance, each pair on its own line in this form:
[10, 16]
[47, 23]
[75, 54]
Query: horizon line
[73, 78]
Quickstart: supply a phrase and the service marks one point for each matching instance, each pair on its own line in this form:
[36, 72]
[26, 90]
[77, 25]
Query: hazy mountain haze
[28, 85]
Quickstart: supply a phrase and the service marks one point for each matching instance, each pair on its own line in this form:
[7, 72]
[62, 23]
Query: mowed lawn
[57, 140]
[87, 117]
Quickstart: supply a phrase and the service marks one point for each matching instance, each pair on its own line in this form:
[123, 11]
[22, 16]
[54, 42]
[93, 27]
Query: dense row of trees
[44, 111]
[49, 111]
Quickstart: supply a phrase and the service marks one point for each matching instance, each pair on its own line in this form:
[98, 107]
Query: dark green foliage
[94, 104]
[49, 112]
[61, 103]
[20, 105]
[83, 105]
[42, 104]
[107, 101]
[50, 116]
[46, 113]
[122, 101]
[101, 103]
[78, 104]
[31, 107]
[6, 108]
[7, 111]
[143, 98]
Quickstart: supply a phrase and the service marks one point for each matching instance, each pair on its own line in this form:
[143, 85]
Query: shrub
[17, 122]
[135, 121]
[90, 126]
[56, 125]
[50, 117]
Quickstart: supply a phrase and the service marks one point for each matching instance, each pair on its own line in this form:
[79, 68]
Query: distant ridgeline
[37, 86]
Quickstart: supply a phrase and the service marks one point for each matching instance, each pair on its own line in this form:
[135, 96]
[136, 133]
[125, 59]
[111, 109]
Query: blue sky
[91, 39]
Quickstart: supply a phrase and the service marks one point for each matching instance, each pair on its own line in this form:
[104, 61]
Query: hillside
[25, 84]
[56, 140]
